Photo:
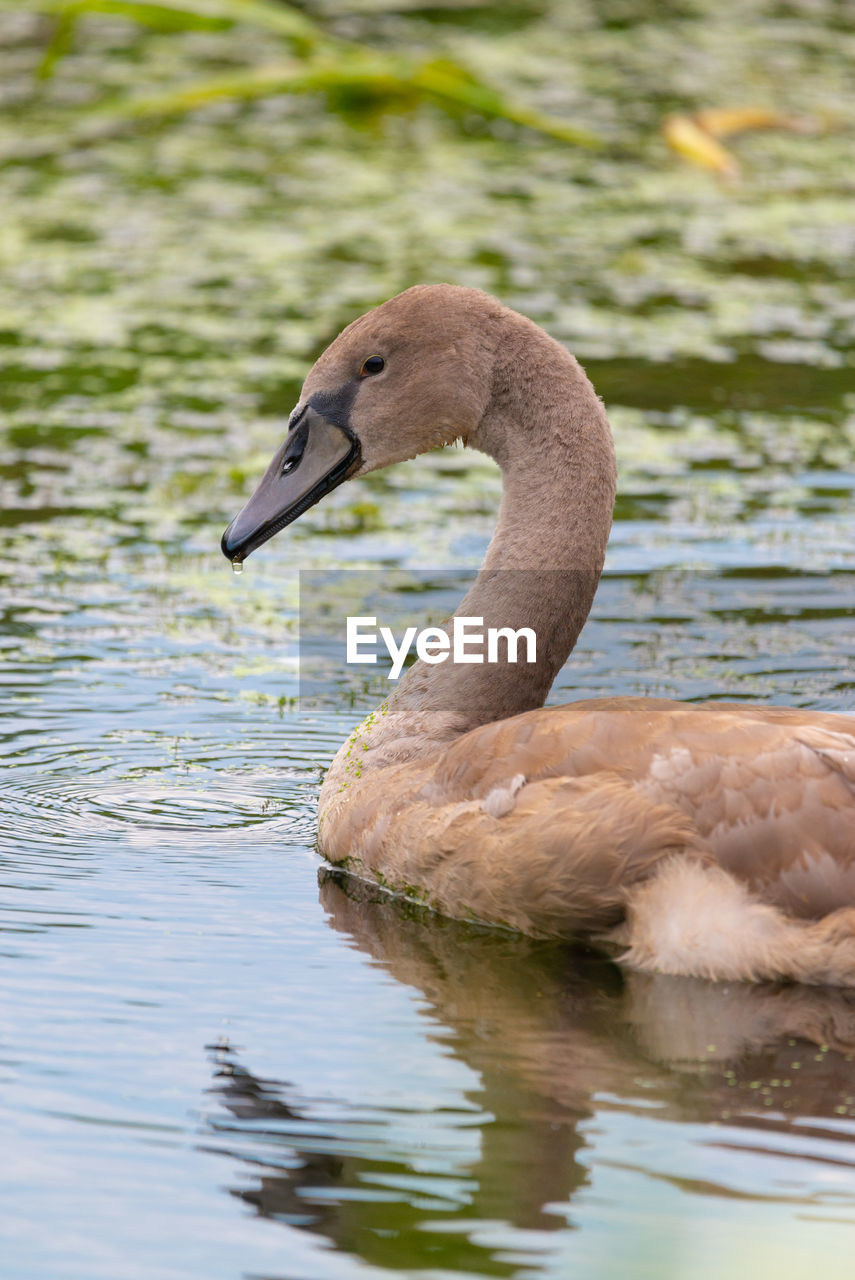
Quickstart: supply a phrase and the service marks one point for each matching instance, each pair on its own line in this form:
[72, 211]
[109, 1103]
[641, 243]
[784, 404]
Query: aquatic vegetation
[350, 75]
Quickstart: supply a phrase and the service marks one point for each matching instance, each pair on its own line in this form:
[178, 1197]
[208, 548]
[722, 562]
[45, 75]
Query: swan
[709, 840]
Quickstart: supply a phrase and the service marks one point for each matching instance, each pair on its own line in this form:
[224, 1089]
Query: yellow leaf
[685, 135]
[721, 122]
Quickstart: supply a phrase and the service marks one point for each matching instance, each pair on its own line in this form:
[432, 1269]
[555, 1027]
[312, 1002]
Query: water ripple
[69, 814]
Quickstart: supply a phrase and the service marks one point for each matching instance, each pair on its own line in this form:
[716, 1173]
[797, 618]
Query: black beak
[316, 456]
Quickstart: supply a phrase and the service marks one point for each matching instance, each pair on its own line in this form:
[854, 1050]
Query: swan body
[715, 840]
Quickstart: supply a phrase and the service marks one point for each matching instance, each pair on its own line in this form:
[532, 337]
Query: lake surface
[214, 1063]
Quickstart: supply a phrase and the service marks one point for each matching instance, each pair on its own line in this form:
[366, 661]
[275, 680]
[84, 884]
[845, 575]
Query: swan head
[411, 375]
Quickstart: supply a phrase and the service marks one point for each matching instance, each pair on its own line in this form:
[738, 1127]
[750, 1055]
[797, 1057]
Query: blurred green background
[179, 272]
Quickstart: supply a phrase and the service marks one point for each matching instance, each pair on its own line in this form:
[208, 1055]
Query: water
[212, 1064]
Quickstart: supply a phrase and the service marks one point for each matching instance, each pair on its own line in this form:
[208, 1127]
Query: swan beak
[315, 457]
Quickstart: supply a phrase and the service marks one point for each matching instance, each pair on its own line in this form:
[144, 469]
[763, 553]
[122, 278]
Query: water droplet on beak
[237, 566]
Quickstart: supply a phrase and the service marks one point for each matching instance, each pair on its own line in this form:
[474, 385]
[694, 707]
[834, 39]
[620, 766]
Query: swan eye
[374, 364]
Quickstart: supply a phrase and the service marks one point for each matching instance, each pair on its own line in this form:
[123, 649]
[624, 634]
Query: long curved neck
[548, 431]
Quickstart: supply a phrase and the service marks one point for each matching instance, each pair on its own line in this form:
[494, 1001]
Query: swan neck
[548, 431]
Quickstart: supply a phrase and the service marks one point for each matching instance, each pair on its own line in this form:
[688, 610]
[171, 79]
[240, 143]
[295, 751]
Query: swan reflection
[556, 1039]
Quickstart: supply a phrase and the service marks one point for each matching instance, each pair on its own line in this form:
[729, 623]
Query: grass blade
[182, 15]
[378, 78]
